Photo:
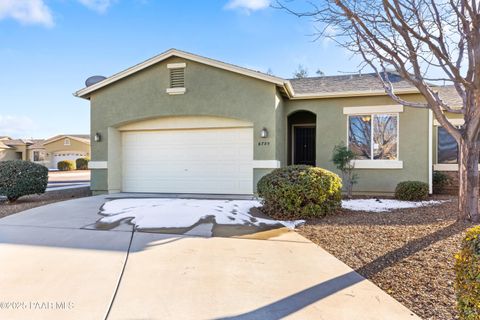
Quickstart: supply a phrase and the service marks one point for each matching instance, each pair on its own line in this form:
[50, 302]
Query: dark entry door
[304, 145]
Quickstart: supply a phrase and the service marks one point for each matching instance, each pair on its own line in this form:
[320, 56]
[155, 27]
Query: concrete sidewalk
[54, 266]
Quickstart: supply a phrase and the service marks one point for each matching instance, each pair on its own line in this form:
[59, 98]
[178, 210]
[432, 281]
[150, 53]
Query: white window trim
[445, 166]
[174, 91]
[67, 142]
[373, 109]
[455, 122]
[378, 163]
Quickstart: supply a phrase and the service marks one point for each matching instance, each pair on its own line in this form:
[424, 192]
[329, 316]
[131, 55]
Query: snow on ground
[184, 213]
[384, 205]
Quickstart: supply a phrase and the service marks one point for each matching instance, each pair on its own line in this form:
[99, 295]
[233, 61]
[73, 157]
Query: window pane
[385, 137]
[447, 147]
[359, 136]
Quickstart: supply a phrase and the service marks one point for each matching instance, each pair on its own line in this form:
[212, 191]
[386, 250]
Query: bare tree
[301, 72]
[425, 41]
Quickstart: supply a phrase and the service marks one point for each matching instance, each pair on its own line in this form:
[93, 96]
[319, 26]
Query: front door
[304, 145]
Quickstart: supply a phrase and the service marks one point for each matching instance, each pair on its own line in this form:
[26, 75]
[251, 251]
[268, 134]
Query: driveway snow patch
[384, 205]
[165, 213]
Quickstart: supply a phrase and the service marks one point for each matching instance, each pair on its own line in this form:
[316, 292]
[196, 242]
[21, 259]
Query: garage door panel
[189, 161]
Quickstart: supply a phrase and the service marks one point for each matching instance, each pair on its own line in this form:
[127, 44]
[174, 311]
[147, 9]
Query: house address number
[264, 143]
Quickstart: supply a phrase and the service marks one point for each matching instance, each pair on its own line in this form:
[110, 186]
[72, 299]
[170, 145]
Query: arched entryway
[302, 138]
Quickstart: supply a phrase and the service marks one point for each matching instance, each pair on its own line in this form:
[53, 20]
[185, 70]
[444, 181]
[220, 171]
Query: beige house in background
[46, 152]
[66, 147]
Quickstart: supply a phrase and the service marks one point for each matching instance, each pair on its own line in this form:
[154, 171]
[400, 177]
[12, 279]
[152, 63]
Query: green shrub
[300, 192]
[467, 281]
[20, 178]
[342, 159]
[440, 180]
[82, 163]
[411, 191]
[66, 165]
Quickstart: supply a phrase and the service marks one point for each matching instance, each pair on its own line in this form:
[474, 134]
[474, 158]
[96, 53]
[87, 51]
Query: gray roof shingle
[344, 83]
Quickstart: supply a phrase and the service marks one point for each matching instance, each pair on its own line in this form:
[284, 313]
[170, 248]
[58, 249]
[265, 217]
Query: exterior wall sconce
[264, 133]
[97, 137]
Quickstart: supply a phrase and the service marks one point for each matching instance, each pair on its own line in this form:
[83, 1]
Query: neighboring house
[183, 123]
[46, 152]
[66, 147]
[14, 149]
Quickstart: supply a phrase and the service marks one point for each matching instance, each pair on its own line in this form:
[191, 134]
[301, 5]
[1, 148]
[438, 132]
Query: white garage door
[217, 161]
[66, 155]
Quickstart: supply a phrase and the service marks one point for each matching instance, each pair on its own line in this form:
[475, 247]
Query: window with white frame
[373, 136]
[66, 142]
[447, 148]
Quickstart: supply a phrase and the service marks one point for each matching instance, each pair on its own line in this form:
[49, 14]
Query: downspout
[430, 152]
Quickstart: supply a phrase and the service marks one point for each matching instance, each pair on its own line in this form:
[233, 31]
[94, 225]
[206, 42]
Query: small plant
[20, 178]
[66, 165]
[82, 163]
[440, 180]
[467, 271]
[300, 192]
[343, 159]
[411, 191]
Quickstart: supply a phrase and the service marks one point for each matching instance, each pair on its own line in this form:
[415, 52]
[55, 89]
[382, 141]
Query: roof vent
[177, 78]
[93, 80]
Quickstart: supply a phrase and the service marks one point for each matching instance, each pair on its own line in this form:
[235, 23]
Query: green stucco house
[182, 123]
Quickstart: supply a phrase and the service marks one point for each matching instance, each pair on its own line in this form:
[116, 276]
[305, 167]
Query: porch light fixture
[97, 137]
[264, 133]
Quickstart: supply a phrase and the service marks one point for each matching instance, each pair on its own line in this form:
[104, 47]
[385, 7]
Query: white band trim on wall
[266, 164]
[373, 109]
[378, 164]
[98, 165]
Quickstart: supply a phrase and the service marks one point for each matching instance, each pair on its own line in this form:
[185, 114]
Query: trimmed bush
[300, 192]
[82, 163]
[66, 165]
[411, 191]
[467, 281]
[20, 178]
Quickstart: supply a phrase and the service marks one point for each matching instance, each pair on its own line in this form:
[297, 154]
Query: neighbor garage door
[217, 161]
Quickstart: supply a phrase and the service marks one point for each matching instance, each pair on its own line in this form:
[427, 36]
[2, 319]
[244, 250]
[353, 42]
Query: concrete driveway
[55, 264]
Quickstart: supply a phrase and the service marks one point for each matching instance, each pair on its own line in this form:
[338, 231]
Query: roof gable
[85, 92]
[81, 138]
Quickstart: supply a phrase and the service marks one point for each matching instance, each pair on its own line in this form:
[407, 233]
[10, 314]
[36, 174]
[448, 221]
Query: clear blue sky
[49, 47]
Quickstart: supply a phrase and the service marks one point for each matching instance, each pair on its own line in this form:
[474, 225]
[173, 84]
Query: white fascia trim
[179, 65]
[445, 167]
[373, 109]
[342, 94]
[84, 93]
[98, 165]
[266, 164]
[455, 122]
[173, 91]
[377, 164]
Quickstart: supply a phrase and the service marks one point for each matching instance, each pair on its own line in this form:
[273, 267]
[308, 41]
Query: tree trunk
[468, 178]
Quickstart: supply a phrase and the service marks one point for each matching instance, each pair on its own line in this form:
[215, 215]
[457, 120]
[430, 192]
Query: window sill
[378, 164]
[445, 167]
[173, 91]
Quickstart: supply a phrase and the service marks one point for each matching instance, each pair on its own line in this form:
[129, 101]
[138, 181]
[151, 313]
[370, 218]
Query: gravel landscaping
[32, 201]
[409, 253]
